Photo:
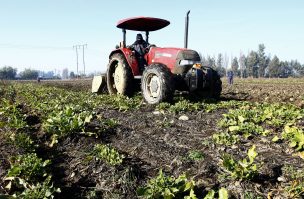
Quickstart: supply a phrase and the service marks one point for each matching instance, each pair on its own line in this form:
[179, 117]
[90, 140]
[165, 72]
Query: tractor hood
[142, 23]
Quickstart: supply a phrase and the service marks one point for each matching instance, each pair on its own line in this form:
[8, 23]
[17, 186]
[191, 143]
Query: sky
[40, 34]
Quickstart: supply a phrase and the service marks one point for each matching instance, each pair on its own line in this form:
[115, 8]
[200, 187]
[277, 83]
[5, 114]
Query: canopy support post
[124, 37]
[147, 36]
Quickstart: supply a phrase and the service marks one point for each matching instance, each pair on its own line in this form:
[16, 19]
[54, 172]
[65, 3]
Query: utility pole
[76, 48]
[241, 63]
[85, 45]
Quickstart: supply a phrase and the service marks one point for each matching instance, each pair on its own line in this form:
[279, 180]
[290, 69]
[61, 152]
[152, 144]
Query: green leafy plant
[64, 122]
[28, 167]
[248, 119]
[180, 106]
[13, 115]
[248, 129]
[44, 190]
[251, 195]
[22, 140]
[240, 122]
[225, 138]
[196, 155]
[278, 115]
[242, 169]
[120, 102]
[108, 154]
[107, 124]
[295, 135]
[166, 123]
[168, 187]
[292, 173]
[102, 126]
[25, 175]
[209, 107]
[222, 194]
[294, 188]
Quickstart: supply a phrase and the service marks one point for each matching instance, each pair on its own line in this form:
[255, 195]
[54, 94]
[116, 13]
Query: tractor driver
[140, 47]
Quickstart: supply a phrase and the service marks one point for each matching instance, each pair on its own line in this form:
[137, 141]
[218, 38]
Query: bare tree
[242, 63]
[65, 73]
[226, 62]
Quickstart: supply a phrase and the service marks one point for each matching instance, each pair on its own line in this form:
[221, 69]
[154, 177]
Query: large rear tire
[119, 76]
[214, 85]
[157, 84]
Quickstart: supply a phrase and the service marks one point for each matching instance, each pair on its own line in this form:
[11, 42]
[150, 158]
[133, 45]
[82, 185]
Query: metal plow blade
[99, 84]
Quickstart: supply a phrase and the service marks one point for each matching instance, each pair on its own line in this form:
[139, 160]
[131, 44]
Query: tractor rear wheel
[157, 84]
[119, 76]
[214, 83]
[215, 86]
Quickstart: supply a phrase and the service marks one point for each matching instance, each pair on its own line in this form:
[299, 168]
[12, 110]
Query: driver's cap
[139, 37]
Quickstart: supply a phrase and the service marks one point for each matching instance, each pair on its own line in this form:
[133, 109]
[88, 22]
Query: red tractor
[166, 69]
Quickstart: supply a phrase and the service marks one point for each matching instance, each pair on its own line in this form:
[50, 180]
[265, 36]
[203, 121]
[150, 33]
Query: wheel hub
[154, 86]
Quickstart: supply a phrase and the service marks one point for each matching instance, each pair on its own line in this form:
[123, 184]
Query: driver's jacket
[140, 47]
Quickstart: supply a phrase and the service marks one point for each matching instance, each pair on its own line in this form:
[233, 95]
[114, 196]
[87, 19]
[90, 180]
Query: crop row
[54, 114]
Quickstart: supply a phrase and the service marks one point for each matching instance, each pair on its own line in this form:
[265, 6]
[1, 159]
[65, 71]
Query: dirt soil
[151, 140]
[149, 146]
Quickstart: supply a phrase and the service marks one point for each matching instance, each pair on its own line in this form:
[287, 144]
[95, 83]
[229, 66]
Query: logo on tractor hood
[157, 55]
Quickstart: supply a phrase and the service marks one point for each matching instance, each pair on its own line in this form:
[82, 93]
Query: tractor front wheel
[119, 76]
[157, 84]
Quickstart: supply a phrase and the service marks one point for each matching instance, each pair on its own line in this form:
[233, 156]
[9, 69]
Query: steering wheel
[150, 46]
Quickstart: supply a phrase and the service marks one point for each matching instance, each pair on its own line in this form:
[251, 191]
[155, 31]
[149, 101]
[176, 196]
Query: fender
[130, 57]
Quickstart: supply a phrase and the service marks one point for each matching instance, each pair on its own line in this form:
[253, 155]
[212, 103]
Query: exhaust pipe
[186, 29]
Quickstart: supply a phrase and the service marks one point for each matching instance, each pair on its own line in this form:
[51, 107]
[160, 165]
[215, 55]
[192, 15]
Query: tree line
[256, 64]
[10, 73]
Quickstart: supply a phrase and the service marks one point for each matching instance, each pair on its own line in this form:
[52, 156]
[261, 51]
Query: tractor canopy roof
[142, 23]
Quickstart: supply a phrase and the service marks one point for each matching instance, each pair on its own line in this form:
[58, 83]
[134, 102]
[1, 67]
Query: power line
[25, 46]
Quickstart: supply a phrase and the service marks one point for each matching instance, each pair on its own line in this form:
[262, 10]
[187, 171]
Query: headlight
[188, 62]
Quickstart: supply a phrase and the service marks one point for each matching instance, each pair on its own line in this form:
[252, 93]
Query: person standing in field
[230, 77]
